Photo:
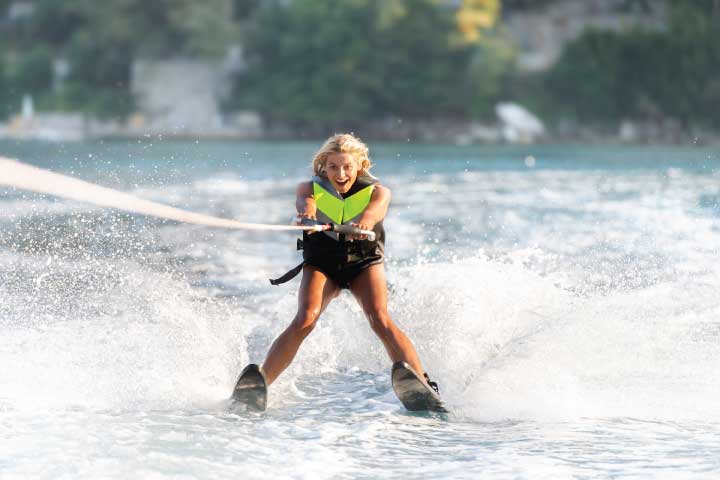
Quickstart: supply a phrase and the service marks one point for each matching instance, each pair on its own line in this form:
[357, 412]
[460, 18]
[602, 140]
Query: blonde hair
[342, 143]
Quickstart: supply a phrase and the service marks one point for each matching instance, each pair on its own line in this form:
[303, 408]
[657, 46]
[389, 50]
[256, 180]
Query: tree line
[319, 62]
[603, 76]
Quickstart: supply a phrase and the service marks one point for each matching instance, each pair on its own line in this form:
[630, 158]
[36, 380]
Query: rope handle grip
[351, 230]
[312, 225]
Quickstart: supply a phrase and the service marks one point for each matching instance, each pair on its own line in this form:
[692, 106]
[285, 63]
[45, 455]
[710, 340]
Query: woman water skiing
[342, 192]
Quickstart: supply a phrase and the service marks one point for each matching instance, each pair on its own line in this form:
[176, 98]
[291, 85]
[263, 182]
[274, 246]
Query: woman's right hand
[306, 220]
[303, 218]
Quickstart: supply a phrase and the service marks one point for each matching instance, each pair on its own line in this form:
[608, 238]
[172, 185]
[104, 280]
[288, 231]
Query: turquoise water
[564, 297]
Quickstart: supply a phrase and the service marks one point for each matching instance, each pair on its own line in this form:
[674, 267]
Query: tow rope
[27, 177]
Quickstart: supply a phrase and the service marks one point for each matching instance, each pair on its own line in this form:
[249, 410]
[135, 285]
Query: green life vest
[332, 207]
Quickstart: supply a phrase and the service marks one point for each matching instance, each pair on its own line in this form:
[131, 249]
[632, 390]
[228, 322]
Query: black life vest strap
[288, 276]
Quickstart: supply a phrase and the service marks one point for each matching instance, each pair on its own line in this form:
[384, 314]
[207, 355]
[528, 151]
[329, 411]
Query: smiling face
[342, 171]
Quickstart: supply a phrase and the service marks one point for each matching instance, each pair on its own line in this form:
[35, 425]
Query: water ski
[251, 389]
[413, 392]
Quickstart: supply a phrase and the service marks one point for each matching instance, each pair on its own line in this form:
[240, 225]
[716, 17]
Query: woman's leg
[370, 289]
[316, 291]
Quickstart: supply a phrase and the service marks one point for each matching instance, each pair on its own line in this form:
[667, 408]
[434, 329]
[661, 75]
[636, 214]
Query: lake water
[566, 299]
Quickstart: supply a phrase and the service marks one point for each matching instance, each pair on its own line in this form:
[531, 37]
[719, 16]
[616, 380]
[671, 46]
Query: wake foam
[502, 341]
[111, 335]
[507, 343]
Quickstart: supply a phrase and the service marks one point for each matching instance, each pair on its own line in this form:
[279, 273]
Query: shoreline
[57, 127]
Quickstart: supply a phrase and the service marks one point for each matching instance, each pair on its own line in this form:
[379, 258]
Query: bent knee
[305, 322]
[380, 322]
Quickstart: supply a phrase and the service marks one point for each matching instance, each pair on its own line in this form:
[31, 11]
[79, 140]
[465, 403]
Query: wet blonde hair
[342, 143]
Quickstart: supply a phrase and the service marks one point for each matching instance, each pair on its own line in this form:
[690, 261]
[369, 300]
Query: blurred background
[458, 71]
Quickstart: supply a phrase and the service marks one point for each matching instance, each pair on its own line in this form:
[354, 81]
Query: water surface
[564, 297]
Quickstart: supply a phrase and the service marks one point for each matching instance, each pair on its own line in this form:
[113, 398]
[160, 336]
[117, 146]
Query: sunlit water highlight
[569, 310]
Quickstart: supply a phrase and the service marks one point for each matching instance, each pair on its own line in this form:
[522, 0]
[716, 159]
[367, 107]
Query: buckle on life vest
[352, 257]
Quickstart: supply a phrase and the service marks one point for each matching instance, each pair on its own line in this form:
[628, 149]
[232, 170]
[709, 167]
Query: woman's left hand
[361, 226]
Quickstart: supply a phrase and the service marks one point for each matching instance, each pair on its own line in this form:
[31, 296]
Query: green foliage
[207, 26]
[100, 76]
[490, 70]
[163, 28]
[101, 39]
[243, 9]
[324, 63]
[585, 81]
[4, 4]
[4, 90]
[606, 76]
[526, 4]
[53, 23]
[32, 72]
[329, 63]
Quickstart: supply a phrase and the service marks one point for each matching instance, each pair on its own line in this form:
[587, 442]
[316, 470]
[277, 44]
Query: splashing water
[568, 310]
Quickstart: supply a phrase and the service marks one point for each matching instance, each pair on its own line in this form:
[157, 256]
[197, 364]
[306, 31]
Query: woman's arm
[305, 200]
[376, 209]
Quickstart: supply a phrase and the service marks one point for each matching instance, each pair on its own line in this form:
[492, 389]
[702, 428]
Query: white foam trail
[112, 335]
[507, 343]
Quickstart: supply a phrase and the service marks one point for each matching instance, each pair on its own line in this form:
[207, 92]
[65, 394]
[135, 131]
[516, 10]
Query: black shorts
[343, 270]
[341, 262]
